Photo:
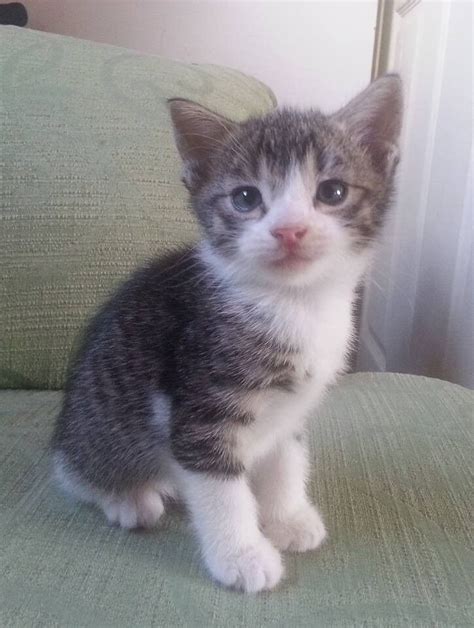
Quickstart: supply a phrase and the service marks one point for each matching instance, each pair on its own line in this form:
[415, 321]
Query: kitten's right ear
[198, 132]
[374, 118]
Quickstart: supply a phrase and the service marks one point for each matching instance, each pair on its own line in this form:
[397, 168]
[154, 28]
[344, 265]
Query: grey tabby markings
[171, 328]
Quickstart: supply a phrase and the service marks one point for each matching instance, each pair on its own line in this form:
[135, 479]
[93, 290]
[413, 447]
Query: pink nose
[290, 236]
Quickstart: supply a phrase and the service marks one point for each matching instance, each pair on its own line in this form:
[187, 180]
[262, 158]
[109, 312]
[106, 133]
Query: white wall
[309, 53]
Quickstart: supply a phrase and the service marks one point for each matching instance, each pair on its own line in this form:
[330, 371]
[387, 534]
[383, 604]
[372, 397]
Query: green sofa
[91, 187]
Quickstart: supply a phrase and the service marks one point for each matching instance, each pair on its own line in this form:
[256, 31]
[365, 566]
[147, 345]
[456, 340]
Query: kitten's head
[292, 196]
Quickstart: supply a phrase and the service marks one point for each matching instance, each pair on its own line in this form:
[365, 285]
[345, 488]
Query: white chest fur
[321, 329]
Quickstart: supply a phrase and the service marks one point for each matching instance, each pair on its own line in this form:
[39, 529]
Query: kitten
[195, 379]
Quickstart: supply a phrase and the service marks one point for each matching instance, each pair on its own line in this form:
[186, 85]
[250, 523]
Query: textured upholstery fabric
[91, 182]
[391, 457]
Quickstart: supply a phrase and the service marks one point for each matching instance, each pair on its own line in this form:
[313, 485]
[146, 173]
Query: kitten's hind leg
[140, 508]
[137, 508]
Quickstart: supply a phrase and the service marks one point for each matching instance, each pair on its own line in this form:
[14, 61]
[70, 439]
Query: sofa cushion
[91, 182]
[391, 476]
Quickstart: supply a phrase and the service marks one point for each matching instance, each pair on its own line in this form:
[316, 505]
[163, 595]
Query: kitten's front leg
[224, 514]
[286, 515]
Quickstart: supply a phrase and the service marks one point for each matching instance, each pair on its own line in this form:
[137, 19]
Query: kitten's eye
[331, 192]
[246, 199]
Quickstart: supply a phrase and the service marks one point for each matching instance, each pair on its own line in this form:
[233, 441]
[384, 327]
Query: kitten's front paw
[301, 532]
[251, 568]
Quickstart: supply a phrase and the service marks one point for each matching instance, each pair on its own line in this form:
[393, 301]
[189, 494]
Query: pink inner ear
[375, 117]
[198, 131]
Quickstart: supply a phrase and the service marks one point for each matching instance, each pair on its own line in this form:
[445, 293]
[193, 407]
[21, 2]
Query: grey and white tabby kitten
[196, 378]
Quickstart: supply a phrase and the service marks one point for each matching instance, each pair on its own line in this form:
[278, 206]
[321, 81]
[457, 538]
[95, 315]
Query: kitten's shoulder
[142, 301]
[149, 286]
[162, 273]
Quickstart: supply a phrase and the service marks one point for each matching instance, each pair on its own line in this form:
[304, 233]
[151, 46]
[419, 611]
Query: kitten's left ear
[374, 118]
[198, 132]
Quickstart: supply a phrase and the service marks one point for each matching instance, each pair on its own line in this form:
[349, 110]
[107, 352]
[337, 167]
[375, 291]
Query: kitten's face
[289, 197]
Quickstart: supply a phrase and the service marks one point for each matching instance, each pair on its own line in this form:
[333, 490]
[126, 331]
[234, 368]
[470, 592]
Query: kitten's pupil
[331, 192]
[246, 199]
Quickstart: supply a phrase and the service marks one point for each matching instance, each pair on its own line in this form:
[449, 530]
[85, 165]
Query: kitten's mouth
[292, 262]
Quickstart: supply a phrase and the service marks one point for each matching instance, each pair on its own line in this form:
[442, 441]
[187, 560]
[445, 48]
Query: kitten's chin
[298, 268]
[292, 263]
[293, 272]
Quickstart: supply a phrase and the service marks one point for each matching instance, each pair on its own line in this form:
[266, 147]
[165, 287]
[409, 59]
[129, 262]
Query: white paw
[301, 532]
[137, 510]
[251, 569]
